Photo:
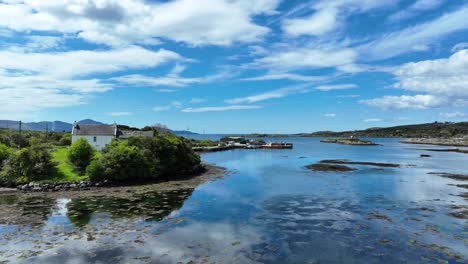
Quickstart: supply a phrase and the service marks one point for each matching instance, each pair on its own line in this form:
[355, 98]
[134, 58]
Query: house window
[94, 139]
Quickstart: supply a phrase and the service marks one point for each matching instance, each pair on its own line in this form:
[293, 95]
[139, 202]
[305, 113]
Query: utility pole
[47, 132]
[19, 139]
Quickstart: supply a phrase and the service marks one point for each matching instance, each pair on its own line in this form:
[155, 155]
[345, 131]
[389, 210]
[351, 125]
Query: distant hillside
[436, 130]
[54, 126]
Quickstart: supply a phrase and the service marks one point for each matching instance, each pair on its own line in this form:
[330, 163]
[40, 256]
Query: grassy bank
[65, 169]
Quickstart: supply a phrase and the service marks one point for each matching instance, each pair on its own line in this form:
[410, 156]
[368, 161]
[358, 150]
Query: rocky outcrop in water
[329, 167]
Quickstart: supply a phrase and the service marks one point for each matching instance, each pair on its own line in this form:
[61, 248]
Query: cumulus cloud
[220, 108]
[329, 115]
[399, 42]
[446, 77]
[196, 22]
[38, 81]
[439, 82]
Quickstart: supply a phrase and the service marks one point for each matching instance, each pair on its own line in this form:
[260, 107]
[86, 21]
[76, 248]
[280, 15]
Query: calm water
[268, 209]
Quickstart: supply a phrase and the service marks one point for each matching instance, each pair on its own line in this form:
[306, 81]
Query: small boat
[277, 145]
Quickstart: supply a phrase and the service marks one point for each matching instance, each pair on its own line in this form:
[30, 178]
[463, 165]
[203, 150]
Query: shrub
[167, 154]
[65, 140]
[95, 170]
[121, 162]
[81, 153]
[4, 154]
[28, 164]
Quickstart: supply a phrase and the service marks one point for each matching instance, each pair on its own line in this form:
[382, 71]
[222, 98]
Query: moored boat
[277, 145]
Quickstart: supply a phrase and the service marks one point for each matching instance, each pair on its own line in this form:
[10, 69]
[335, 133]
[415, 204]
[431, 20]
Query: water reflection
[149, 206]
[270, 209]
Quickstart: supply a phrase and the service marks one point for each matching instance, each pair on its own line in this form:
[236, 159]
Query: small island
[350, 141]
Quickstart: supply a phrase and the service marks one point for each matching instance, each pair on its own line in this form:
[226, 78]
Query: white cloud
[373, 120]
[27, 102]
[460, 46]
[440, 82]
[161, 108]
[220, 108]
[197, 100]
[172, 80]
[321, 22]
[31, 77]
[445, 77]
[405, 102]
[173, 104]
[329, 15]
[348, 96]
[119, 113]
[85, 62]
[453, 115]
[279, 93]
[329, 115]
[400, 42]
[415, 8]
[197, 22]
[307, 58]
[286, 76]
[336, 87]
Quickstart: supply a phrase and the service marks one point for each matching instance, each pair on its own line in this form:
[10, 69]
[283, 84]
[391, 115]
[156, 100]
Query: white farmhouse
[96, 135]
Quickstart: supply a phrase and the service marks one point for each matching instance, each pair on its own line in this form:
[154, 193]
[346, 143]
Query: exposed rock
[377, 164]
[458, 177]
[425, 156]
[329, 167]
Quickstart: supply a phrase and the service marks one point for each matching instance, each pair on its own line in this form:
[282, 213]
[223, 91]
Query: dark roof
[94, 130]
[124, 134]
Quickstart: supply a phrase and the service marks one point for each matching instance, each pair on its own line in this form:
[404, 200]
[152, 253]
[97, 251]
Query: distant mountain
[435, 130]
[89, 122]
[54, 126]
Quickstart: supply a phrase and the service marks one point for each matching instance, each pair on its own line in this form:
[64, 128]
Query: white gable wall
[101, 141]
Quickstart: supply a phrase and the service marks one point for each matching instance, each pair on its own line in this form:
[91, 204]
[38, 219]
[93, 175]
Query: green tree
[81, 153]
[65, 140]
[4, 153]
[120, 162]
[28, 164]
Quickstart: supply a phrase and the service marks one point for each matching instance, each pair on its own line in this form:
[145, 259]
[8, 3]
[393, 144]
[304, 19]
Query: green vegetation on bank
[41, 158]
[433, 130]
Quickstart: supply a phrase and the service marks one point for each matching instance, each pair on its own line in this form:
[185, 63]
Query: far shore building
[99, 136]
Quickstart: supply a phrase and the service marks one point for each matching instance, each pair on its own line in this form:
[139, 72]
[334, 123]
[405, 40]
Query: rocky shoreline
[458, 142]
[202, 170]
[350, 141]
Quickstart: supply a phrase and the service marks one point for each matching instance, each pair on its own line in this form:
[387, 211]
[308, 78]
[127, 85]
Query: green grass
[65, 169]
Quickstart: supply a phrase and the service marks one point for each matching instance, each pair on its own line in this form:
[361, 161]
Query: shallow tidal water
[267, 209]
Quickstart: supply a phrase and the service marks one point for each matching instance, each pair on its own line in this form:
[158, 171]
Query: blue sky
[235, 66]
